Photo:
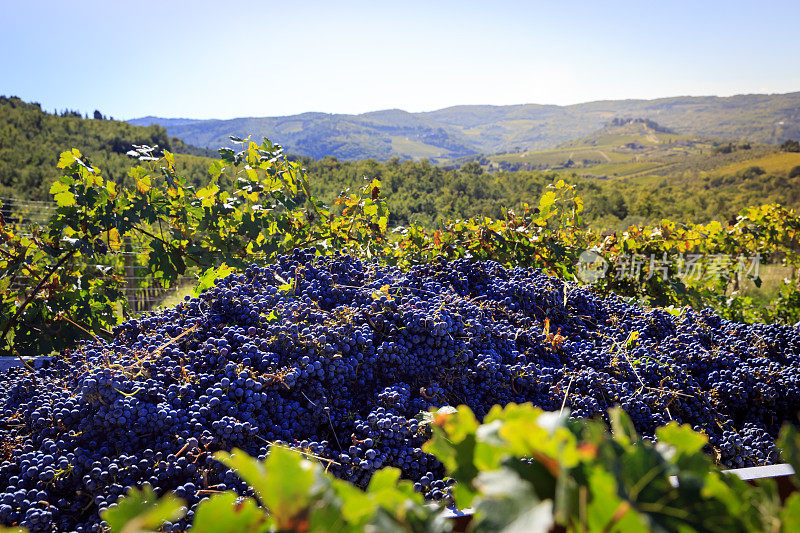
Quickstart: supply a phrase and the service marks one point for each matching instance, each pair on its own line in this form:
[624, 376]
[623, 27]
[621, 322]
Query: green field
[643, 150]
[407, 146]
[775, 163]
[627, 148]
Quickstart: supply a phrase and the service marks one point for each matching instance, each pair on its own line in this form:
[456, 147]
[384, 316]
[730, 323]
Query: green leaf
[530, 432]
[546, 201]
[454, 443]
[385, 478]
[622, 428]
[58, 187]
[427, 417]
[206, 195]
[210, 276]
[544, 485]
[64, 198]
[227, 155]
[503, 498]
[283, 483]
[606, 511]
[138, 172]
[682, 437]
[370, 210]
[790, 514]
[227, 513]
[141, 510]
[286, 286]
[731, 493]
[683, 446]
[356, 506]
[789, 444]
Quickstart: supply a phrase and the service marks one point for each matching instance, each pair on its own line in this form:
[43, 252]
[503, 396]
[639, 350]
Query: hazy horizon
[313, 111]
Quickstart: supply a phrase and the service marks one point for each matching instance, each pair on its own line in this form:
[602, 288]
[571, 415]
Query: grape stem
[566, 394]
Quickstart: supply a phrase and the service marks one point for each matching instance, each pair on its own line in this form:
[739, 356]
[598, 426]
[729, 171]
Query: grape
[336, 358]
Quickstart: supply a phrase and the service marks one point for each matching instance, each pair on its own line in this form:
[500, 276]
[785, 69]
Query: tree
[791, 146]
[472, 168]
[98, 115]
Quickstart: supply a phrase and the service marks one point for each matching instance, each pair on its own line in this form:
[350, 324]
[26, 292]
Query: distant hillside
[678, 177]
[635, 126]
[629, 147]
[32, 140]
[379, 135]
[469, 130]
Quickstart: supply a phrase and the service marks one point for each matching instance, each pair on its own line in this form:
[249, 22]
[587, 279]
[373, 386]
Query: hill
[622, 147]
[628, 171]
[461, 131]
[32, 140]
[378, 135]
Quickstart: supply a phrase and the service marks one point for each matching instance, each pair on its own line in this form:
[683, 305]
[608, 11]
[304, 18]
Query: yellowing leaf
[216, 168]
[632, 338]
[64, 199]
[68, 157]
[58, 187]
[143, 185]
[206, 195]
[113, 239]
[371, 210]
[205, 192]
[547, 200]
[209, 277]
[383, 291]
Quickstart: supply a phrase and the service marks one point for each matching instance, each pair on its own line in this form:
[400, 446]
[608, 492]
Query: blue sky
[204, 59]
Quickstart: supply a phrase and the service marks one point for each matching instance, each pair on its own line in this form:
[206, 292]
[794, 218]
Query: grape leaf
[141, 510]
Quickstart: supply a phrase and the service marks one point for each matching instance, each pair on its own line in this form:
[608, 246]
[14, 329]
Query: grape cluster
[336, 358]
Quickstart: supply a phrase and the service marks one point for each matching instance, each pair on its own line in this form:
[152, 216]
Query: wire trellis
[139, 295]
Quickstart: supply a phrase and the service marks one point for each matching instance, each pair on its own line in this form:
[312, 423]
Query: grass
[775, 163]
[772, 277]
[559, 157]
[617, 151]
[664, 160]
[415, 149]
[625, 169]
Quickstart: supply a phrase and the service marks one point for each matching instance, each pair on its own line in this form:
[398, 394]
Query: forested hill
[468, 130]
[32, 139]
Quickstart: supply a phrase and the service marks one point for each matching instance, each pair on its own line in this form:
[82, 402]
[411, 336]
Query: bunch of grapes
[336, 358]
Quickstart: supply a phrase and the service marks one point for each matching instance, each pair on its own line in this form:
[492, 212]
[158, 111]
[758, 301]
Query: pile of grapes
[337, 358]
